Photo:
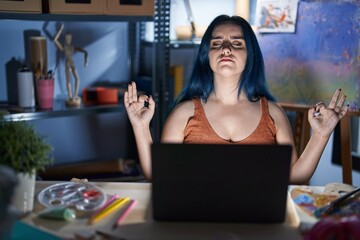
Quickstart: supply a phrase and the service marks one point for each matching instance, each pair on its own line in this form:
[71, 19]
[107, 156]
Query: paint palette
[310, 200]
[82, 196]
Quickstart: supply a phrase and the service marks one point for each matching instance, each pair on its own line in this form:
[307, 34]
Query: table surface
[138, 224]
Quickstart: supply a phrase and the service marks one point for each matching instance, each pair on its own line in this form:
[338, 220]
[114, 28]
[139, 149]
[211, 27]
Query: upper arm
[284, 134]
[283, 128]
[173, 130]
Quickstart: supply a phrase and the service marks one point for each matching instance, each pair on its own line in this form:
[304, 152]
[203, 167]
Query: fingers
[343, 111]
[130, 96]
[143, 98]
[336, 105]
[132, 92]
[314, 112]
[151, 103]
[334, 99]
[340, 104]
[126, 99]
[318, 107]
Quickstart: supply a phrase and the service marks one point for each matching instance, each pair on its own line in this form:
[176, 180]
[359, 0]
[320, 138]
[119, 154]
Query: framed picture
[276, 16]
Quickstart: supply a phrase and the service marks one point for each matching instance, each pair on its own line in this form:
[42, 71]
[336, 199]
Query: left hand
[322, 119]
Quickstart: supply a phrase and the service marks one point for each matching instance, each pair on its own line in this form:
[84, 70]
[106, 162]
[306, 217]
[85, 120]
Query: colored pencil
[124, 212]
[107, 203]
[108, 210]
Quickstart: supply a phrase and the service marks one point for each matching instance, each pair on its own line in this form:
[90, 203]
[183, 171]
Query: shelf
[59, 110]
[72, 17]
[185, 43]
[178, 44]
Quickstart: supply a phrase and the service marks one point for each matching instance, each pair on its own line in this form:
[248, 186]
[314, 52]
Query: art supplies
[60, 213]
[118, 203]
[124, 212]
[320, 205]
[82, 196]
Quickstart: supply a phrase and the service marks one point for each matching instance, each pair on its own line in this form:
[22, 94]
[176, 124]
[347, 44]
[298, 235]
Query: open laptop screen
[220, 183]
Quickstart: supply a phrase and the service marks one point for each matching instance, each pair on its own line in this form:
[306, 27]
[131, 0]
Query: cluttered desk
[137, 222]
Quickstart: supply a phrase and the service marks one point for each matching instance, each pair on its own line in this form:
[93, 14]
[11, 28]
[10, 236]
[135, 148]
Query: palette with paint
[80, 195]
[311, 201]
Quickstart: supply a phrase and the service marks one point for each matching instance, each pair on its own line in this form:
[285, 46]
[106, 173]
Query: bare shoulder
[183, 110]
[175, 124]
[186, 108]
[277, 112]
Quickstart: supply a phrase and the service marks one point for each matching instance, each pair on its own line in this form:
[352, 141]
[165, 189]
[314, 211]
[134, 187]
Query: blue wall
[80, 138]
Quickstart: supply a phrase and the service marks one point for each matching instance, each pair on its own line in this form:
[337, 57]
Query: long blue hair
[252, 80]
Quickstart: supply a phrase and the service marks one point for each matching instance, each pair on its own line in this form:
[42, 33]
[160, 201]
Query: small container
[45, 93]
[107, 95]
[25, 82]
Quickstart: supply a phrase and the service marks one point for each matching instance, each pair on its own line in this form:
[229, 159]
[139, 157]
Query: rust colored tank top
[199, 130]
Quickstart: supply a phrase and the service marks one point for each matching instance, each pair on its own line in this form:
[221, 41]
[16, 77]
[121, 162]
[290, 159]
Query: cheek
[242, 59]
[212, 59]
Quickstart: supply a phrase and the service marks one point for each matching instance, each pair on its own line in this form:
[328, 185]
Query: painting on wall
[276, 16]
[323, 55]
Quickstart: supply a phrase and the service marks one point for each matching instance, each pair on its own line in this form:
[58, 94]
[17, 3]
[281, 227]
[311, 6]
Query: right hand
[139, 114]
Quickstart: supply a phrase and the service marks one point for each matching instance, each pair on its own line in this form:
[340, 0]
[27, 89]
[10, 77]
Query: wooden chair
[345, 145]
[301, 131]
[300, 125]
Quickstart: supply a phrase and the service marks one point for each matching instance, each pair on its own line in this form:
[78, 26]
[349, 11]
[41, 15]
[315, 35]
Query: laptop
[220, 182]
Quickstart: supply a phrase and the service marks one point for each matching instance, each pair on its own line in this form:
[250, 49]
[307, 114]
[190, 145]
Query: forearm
[56, 38]
[305, 166]
[58, 45]
[143, 142]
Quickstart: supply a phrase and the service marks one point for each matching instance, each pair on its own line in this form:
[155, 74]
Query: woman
[227, 101]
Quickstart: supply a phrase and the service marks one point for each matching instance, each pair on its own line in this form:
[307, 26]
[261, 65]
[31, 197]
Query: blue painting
[323, 54]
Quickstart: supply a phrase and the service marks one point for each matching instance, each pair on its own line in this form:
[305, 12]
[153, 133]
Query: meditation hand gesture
[324, 119]
[139, 109]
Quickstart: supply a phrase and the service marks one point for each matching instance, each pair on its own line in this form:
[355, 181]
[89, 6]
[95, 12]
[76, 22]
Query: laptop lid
[220, 182]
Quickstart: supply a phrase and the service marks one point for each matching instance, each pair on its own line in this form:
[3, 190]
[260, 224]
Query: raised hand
[323, 120]
[140, 109]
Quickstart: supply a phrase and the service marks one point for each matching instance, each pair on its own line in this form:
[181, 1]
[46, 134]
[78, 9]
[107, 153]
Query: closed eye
[238, 44]
[216, 44]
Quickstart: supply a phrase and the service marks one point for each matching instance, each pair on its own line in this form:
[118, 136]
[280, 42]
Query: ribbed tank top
[199, 130]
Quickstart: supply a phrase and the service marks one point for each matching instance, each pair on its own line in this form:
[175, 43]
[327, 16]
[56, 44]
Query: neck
[227, 97]
[226, 90]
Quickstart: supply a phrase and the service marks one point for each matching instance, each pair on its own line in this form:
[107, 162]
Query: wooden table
[139, 224]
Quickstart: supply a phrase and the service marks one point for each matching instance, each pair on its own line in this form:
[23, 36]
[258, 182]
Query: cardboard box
[77, 6]
[21, 6]
[130, 7]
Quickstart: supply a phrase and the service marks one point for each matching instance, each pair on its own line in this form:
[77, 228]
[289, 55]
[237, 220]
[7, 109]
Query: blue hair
[252, 80]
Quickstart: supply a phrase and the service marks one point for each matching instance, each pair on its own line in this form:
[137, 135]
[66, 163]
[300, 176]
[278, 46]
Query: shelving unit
[72, 17]
[60, 110]
[160, 61]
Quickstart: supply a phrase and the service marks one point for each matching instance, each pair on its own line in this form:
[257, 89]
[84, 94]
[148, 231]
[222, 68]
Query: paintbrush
[334, 205]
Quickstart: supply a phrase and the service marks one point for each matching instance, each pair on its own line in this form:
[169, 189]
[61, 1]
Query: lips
[226, 59]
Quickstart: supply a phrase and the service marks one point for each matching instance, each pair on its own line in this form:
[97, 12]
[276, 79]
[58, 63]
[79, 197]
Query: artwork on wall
[276, 15]
[323, 54]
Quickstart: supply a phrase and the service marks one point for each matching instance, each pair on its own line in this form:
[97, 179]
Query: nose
[226, 49]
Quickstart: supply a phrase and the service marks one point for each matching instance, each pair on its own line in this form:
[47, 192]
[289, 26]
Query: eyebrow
[231, 37]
